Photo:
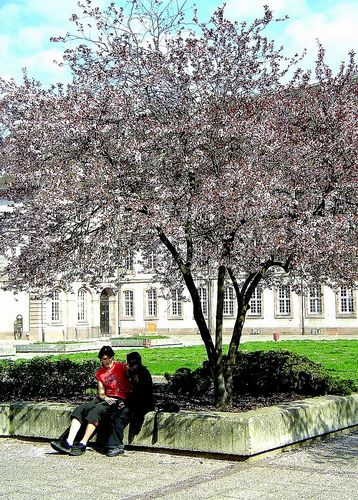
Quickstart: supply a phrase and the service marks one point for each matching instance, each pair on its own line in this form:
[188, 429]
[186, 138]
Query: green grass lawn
[339, 357]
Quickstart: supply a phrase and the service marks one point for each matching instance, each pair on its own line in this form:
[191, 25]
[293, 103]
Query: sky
[27, 25]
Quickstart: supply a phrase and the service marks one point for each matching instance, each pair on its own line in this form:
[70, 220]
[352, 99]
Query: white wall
[10, 306]
[39, 324]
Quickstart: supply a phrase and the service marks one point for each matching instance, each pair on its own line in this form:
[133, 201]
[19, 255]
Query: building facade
[136, 305]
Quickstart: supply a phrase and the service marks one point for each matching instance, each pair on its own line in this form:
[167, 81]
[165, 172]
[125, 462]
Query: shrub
[6, 383]
[186, 381]
[281, 371]
[42, 378]
[258, 373]
[262, 373]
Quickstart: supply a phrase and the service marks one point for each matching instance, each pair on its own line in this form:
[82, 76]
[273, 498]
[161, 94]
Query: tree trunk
[223, 397]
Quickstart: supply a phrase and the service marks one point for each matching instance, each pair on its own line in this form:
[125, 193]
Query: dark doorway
[104, 313]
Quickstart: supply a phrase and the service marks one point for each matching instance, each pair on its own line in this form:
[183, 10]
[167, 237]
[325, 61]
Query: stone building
[137, 305]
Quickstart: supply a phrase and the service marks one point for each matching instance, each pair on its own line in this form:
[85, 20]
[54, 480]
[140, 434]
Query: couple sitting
[125, 391]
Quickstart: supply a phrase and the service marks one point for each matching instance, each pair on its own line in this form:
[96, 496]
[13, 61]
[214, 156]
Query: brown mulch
[202, 402]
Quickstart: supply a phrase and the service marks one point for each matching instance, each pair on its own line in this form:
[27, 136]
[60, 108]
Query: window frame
[151, 303]
[179, 302]
[130, 303]
[82, 305]
[257, 297]
[204, 301]
[56, 309]
[129, 262]
[283, 296]
[228, 302]
[314, 298]
[151, 261]
[350, 298]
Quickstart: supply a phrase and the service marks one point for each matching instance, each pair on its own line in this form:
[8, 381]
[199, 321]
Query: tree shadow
[341, 450]
[317, 416]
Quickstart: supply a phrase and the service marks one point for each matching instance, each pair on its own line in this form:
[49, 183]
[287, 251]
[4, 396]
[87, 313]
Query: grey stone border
[78, 346]
[242, 434]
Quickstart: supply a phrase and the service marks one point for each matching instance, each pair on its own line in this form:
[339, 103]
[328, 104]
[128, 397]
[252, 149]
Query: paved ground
[323, 471]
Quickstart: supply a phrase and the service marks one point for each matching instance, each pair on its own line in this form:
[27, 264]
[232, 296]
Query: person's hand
[110, 401]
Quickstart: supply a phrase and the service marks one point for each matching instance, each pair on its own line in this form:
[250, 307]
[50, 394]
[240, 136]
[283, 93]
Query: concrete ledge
[164, 342]
[7, 350]
[243, 434]
[144, 342]
[58, 348]
[94, 345]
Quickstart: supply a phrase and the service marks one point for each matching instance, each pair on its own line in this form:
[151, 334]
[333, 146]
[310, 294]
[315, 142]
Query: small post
[276, 335]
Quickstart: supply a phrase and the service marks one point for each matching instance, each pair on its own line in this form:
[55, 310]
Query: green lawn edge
[339, 357]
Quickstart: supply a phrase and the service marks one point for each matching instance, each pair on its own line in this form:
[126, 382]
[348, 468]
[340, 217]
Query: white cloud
[27, 25]
[53, 10]
[42, 63]
[5, 42]
[35, 38]
[249, 9]
[335, 26]
[39, 65]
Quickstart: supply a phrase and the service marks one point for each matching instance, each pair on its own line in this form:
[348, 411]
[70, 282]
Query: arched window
[81, 305]
[55, 306]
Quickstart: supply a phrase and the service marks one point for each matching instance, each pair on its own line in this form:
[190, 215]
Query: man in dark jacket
[139, 402]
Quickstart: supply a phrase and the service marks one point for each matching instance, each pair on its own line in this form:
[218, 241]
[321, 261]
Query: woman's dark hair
[106, 350]
[134, 358]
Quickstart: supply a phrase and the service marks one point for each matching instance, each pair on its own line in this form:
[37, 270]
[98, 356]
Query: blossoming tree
[189, 139]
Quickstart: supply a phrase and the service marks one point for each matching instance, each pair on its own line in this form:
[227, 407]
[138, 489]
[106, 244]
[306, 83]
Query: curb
[95, 345]
[240, 434]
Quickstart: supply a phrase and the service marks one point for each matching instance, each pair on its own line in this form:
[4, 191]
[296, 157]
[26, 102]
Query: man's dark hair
[106, 350]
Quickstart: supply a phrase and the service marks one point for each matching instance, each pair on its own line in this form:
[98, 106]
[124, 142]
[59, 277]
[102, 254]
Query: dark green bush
[282, 371]
[6, 383]
[42, 378]
[257, 373]
[186, 381]
[262, 373]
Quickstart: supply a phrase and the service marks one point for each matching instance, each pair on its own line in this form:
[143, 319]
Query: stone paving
[322, 471]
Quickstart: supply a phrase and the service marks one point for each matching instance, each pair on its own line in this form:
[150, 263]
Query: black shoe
[61, 446]
[78, 449]
[114, 452]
